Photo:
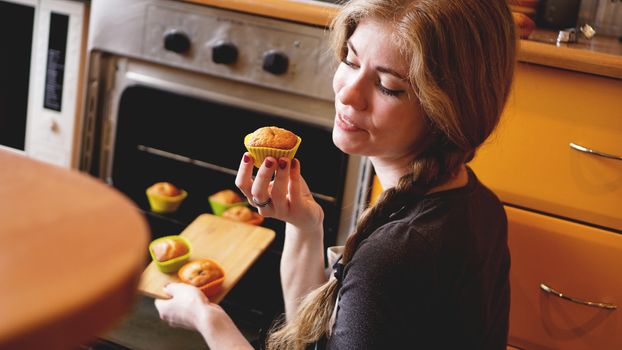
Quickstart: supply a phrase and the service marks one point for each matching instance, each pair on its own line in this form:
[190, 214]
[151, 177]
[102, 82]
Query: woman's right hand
[289, 197]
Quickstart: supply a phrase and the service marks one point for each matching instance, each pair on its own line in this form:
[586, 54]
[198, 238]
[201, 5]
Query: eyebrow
[378, 68]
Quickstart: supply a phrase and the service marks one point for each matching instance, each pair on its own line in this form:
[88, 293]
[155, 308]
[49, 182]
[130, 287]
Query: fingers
[297, 186]
[260, 187]
[244, 178]
[280, 186]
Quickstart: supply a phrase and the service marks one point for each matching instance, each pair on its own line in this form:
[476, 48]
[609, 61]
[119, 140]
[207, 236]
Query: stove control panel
[253, 49]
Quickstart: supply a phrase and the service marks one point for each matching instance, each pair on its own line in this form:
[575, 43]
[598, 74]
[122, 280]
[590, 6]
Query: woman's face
[377, 112]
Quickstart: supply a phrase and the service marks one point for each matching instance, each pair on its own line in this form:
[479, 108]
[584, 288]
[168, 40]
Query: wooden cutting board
[234, 245]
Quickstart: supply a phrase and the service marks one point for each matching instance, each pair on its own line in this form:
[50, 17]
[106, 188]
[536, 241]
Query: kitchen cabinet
[563, 206]
[577, 260]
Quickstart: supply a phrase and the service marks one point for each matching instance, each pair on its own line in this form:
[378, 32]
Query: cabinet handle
[594, 152]
[550, 290]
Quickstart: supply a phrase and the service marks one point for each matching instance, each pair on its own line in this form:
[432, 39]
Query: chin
[344, 143]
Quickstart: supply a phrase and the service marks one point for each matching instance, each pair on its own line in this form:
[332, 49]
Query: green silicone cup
[218, 208]
[172, 265]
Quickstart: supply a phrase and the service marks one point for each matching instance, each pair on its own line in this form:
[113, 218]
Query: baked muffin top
[164, 189]
[273, 137]
[238, 213]
[226, 197]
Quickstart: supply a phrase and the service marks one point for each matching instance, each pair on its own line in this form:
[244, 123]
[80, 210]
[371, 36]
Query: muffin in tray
[243, 214]
[225, 199]
[271, 141]
[205, 274]
[164, 197]
[170, 252]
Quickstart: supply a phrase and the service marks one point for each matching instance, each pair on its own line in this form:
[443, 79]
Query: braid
[429, 170]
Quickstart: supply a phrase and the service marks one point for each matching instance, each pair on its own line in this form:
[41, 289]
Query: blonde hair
[462, 55]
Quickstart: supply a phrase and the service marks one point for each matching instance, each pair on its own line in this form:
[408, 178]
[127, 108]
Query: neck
[389, 174]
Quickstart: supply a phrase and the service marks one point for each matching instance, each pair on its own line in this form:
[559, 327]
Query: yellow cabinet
[579, 261]
[528, 162]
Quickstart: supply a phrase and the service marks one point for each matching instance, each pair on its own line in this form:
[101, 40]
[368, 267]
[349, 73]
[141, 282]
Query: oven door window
[16, 29]
[197, 145]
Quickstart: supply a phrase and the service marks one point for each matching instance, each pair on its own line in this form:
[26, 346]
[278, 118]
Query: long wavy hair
[462, 55]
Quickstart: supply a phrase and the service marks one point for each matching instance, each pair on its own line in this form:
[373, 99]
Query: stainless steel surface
[552, 291]
[137, 32]
[594, 152]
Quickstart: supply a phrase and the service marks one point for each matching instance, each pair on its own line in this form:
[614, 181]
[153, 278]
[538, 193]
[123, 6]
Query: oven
[173, 88]
[43, 52]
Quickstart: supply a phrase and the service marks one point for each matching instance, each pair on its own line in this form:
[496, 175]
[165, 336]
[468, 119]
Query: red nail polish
[294, 163]
[282, 164]
[246, 158]
[268, 163]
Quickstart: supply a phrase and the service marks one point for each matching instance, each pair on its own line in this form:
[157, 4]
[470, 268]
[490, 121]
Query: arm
[189, 308]
[302, 263]
[302, 266]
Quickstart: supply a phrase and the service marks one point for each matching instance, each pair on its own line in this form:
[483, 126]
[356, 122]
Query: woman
[420, 87]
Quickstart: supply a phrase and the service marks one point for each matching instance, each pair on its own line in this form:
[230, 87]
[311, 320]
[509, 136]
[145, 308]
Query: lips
[343, 122]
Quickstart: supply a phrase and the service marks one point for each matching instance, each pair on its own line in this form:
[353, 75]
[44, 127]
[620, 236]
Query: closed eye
[349, 63]
[389, 92]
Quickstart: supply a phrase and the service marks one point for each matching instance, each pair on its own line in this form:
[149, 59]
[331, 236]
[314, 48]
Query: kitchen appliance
[44, 49]
[604, 15]
[173, 87]
[557, 14]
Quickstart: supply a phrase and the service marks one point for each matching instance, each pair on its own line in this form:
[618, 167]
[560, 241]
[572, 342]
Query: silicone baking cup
[171, 265]
[209, 289]
[260, 153]
[165, 204]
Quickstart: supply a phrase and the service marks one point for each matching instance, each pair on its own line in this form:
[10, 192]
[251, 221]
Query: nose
[352, 93]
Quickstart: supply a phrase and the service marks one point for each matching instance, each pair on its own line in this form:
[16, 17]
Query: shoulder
[394, 252]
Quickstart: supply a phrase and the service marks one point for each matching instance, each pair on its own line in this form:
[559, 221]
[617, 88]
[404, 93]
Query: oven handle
[211, 166]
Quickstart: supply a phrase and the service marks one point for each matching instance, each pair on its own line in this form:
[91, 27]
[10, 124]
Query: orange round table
[73, 249]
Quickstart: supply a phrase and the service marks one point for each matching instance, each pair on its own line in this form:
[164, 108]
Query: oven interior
[196, 144]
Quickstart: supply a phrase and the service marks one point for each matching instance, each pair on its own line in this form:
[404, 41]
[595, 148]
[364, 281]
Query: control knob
[224, 53]
[177, 41]
[275, 62]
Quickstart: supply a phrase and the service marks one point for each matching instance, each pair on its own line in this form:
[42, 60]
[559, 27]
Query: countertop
[600, 55]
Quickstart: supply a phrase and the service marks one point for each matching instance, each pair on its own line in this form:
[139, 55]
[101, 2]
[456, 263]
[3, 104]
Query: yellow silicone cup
[165, 204]
[218, 207]
[172, 265]
[260, 153]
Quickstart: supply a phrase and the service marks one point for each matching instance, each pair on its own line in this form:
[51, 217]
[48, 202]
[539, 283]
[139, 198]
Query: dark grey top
[436, 277]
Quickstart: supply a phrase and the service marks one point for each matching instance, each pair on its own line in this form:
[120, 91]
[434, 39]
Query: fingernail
[282, 164]
[268, 163]
[294, 163]
[246, 158]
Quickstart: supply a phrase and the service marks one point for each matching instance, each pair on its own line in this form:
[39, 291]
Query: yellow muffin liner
[260, 153]
[165, 204]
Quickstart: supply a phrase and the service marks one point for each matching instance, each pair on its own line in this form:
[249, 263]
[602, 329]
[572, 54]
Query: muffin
[165, 197]
[271, 141]
[168, 249]
[205, 274]
[243, 214]
[225, 199]
[169, 253]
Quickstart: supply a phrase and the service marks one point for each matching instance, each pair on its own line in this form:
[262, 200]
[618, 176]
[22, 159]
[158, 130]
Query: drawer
[577, 260]
[528, 161]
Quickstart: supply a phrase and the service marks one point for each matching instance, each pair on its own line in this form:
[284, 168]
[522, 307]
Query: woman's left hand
[190, 308]
[187, 308]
